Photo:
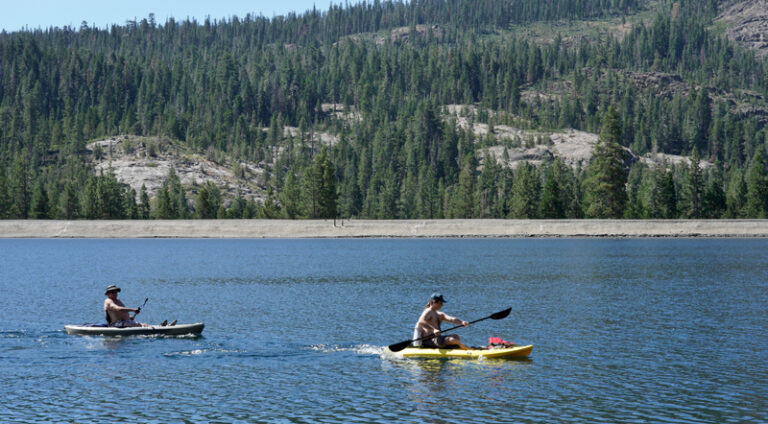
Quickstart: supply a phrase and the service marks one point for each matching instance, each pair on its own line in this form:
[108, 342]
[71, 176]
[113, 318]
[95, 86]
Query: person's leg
[455, 340]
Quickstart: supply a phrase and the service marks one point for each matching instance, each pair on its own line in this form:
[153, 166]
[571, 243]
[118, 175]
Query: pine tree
[164, 208]
[271, 208]
[525, 192]
[693, 188]
[5, 201]
[636, 189]
[112, 194]
[290, 198]
[91, 206]
[328, 201]
[39, 203]
[605, 192]
[757, 188]
[69, 203]
[713, 201]
[130, 206]
[665, 194]
[178, 199]
[19, 188]
[320, 187]
[428, 197]
[208, 201]
[144, 205]
[736, 196]
[553, 195]
[703, 119]
[464, 202]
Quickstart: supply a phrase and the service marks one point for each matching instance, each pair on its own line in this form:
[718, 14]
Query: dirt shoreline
[454, 228]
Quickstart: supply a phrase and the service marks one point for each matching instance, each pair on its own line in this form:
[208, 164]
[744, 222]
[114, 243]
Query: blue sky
[33, 14]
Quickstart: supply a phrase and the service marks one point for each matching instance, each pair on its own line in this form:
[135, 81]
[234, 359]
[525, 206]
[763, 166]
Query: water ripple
[628, 331]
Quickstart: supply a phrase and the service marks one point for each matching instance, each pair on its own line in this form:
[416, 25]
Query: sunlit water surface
[624, 331]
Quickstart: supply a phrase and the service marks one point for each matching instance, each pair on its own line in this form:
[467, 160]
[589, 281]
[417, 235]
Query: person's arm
[445, 317]
[112, 306]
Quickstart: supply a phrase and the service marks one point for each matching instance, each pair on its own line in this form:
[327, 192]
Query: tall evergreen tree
[19, 187]
[208, 201]
[164, 208]
[271, 208]
[290, 198]
[605, 192]
[526, 189]
[693, 188]
[320, 187]
[714, 201]
[112, 194]
[553, 201]
[702, 121]
[69, 202]
[757, 188]
[39, 208]
[130, 206]
[665, 194]
[465, 200]
[736, 195]
[91, 203]
[5, 200]
[144, 207]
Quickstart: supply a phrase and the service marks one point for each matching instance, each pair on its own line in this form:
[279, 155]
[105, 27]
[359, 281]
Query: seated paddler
[117, 314]
[429, 324]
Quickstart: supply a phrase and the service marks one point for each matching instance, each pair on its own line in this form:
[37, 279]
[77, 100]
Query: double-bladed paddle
[397, 347]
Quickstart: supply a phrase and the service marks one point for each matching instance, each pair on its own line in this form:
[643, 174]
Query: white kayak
[176, 330]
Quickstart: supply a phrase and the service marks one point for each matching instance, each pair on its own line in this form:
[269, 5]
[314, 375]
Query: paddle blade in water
[397, 347]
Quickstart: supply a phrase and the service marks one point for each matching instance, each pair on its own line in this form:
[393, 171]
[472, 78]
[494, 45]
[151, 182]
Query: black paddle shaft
[397, 347]
[142, 305]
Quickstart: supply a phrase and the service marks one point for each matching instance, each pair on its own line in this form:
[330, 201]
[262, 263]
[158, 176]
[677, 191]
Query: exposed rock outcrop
[748, 24]
[147, 161]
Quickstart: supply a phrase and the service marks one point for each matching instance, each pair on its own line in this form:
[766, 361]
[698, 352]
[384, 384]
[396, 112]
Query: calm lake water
[623, 331]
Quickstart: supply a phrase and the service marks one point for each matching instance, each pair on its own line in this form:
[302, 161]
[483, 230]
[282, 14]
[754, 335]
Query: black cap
[437, 297]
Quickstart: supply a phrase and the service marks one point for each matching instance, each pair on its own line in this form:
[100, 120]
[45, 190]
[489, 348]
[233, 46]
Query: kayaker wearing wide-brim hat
[116, 312]
[429, 323]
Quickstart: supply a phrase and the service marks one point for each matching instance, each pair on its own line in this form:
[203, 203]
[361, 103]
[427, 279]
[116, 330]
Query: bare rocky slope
[147, 161]
[747, 24]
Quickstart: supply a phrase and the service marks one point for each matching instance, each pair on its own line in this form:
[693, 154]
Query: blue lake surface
[625, 330]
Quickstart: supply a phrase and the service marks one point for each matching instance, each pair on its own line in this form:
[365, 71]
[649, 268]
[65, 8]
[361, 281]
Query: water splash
[363, 349]
[195, 352]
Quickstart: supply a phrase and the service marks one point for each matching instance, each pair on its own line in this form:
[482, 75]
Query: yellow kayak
[507, 352]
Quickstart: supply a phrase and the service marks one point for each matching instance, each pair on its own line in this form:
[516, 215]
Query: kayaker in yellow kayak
[116, 311]
[429, 324]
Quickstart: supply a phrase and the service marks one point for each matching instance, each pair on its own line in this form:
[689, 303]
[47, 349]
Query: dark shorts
[125, 323]
[438, 341]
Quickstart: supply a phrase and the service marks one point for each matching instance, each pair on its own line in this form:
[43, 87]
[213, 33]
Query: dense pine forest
[376, 78]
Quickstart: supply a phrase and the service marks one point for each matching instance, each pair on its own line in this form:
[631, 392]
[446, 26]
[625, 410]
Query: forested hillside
[343, 113]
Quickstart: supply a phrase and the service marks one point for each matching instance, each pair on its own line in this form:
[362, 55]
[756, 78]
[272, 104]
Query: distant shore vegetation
[376, 78]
